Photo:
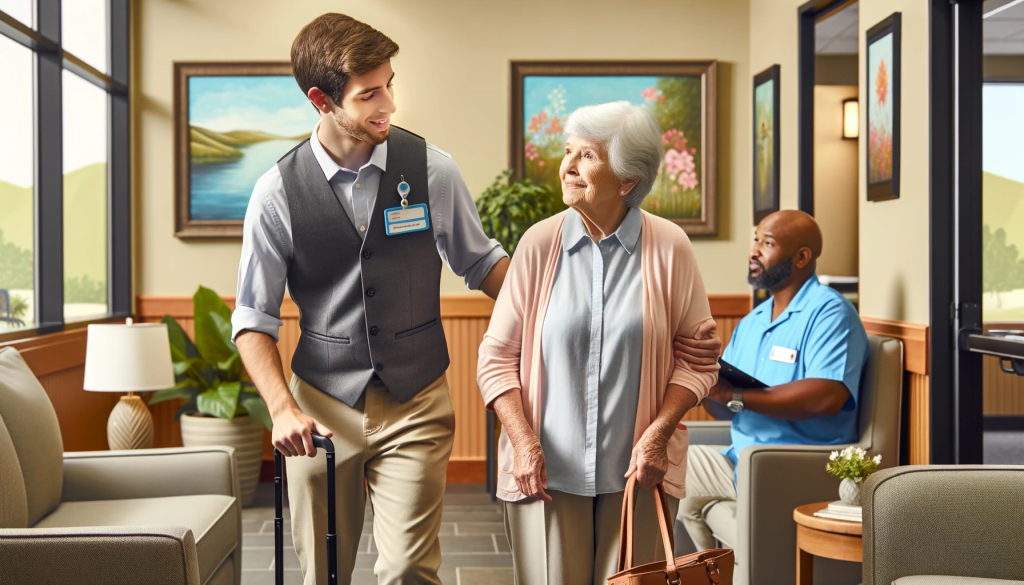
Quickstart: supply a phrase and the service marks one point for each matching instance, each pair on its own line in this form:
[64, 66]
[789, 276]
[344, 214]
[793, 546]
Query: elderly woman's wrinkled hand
[650, 459]
[530, 474]
[702, 351]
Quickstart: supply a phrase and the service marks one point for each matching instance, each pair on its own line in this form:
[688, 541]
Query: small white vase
[849, 492]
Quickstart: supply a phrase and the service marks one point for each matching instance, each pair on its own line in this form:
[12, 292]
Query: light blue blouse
[591, 349]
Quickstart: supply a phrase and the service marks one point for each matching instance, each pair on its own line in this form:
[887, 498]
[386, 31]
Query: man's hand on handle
[293, 433]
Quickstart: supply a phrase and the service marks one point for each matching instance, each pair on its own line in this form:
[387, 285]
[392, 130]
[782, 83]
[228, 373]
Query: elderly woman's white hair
[630, 135]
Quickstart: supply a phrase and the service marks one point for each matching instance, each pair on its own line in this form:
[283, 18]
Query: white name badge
[783, 354]
[404, 220]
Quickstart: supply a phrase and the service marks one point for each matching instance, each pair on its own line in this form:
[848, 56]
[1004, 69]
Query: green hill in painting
[207, 145]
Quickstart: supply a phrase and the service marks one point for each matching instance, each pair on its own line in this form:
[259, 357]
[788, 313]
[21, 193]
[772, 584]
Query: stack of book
[840, 511]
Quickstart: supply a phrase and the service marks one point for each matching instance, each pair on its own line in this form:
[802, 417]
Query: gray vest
[368, 304]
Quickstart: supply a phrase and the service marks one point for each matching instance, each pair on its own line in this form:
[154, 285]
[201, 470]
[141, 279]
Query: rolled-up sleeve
[499, 362]
[697, 310]
[461, 240]
[263, 266]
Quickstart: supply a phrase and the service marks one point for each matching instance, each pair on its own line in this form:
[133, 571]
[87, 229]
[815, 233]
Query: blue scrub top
[830, 341]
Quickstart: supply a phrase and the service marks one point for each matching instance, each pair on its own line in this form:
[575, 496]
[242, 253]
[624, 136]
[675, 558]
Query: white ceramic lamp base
[130, 425]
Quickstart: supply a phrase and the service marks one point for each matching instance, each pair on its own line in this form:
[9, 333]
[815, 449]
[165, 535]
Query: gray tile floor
[474, 550]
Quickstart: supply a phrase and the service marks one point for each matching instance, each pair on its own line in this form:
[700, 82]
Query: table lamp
[128, 358]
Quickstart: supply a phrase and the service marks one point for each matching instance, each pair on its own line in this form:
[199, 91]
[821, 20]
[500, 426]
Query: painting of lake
[239, 126]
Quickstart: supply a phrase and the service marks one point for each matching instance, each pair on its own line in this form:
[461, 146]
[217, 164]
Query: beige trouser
[574, 540]
[709, 479]
[396, 453]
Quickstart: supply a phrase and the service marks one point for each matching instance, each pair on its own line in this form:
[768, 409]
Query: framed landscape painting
[766, 143]
[681, 95]
[883, 109]
[233, 121]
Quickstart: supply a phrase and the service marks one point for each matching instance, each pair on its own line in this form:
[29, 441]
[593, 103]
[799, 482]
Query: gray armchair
[155, 516]
[944, 525]
[775, 479]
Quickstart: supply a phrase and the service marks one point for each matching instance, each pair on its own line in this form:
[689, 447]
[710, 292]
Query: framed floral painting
[883, 109]
[680, 94]
[766, 143]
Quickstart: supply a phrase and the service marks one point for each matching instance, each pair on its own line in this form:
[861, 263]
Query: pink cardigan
[674, 303]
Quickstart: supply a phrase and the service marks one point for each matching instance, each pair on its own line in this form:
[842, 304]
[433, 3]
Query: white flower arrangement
[852, 463]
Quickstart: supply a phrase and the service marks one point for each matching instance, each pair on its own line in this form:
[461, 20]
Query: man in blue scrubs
[806, 343]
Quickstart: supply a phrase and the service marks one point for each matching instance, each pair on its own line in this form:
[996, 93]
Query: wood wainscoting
[917, 417]
[58, 361]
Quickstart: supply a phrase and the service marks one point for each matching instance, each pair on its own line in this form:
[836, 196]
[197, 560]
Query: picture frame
[766, 145]
[882, 112]
[681, 94]
[232, 121]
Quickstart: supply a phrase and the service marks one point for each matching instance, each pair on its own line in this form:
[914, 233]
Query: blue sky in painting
[272, 104]
[581, 91]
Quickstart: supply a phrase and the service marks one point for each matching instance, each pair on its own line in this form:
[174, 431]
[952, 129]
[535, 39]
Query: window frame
[50, 60]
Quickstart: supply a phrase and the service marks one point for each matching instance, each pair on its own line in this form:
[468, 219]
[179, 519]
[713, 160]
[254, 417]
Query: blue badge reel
[407, 218]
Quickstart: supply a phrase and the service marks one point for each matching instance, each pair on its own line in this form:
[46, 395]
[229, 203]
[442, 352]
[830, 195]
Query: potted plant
[508, 208]
[853, 466]
[222, 407]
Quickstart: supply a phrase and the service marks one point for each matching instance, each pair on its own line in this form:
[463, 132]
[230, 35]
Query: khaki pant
[709, 479]
[395, 453]
[574, 540]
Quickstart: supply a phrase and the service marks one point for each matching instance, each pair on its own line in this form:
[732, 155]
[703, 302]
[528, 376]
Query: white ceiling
[1003, 30]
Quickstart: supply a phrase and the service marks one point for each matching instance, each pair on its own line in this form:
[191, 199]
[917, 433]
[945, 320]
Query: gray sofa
[944, 525]
[775, 479]
[155, 516]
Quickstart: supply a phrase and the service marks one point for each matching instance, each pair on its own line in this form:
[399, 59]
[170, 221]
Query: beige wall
[835, 70]
[893, 234]
[452, 86]
[1003, 67]
[835, 181]
[894, 268]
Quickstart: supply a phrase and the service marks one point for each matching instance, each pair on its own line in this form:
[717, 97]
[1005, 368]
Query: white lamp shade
[851, 118]
[128, 358]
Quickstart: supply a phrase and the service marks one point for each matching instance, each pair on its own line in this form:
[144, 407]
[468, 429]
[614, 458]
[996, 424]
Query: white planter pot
[243, 433]
[849, 492]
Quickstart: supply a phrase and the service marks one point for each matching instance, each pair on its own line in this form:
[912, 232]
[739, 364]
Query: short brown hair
[335, 47]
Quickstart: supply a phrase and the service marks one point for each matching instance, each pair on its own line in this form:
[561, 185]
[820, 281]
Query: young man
[356, 221]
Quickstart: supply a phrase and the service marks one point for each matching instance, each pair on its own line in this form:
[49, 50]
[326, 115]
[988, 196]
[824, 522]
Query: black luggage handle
[327, 445]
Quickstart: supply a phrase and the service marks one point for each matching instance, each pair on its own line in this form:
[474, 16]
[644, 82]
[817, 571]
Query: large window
[64, 216]
[1003, 202]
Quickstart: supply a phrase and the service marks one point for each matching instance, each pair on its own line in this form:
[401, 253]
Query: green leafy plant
[852, 463]
[19, 306]
[209, 373]
[509, 207]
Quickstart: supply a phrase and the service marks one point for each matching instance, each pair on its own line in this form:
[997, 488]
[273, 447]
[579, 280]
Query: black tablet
[738, 377]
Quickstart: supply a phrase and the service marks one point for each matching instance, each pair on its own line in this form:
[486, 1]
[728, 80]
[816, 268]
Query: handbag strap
[625, 560]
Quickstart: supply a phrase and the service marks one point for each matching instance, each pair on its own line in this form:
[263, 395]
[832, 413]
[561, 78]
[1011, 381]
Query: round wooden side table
[824, 537]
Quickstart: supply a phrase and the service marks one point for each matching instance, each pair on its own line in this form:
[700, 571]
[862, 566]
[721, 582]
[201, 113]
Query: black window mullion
[49, 175]
[119, 268]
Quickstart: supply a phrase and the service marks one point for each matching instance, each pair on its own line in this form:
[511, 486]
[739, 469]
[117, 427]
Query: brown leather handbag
[710, 567]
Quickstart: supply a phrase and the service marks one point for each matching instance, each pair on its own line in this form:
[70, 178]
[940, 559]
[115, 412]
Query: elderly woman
[578, 360]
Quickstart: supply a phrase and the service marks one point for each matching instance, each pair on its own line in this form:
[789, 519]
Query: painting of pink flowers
[683, 187]
[883, 109]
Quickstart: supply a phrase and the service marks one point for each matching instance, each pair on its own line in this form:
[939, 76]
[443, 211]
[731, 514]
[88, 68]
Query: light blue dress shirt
[267, 230]
[591, 350]
[830, 341]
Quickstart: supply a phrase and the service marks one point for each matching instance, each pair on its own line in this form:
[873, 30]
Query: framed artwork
[766, 143]
[232, 122]
[883, 109]
[682, 96]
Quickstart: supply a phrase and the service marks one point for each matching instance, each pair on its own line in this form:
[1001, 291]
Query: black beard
[772, 278]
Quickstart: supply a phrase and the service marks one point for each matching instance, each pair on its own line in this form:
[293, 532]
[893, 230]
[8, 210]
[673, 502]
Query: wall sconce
[851, 119]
